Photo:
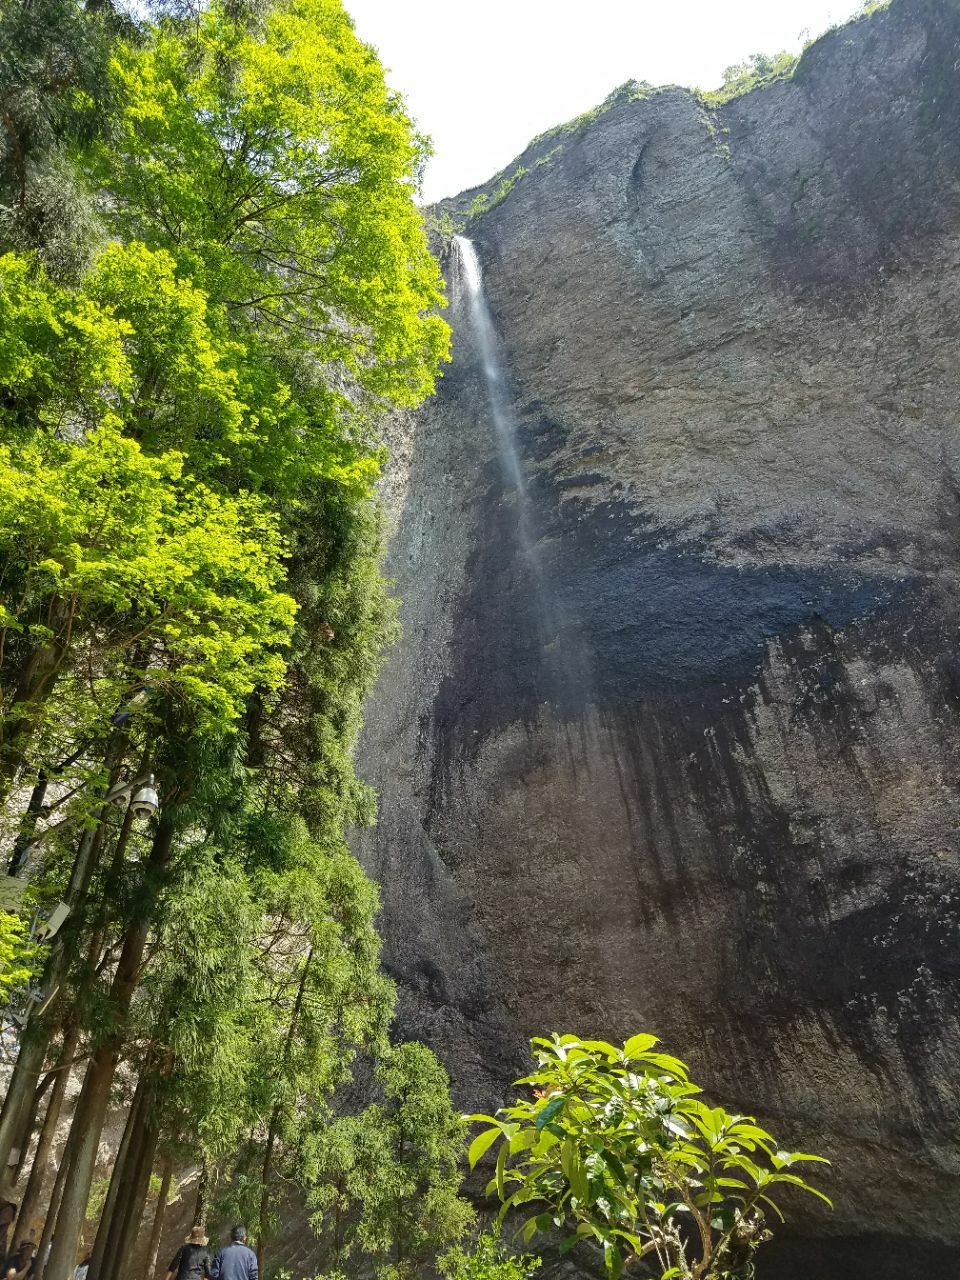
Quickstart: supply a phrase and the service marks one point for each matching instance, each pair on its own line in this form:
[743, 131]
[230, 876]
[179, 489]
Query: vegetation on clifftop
[757, 71]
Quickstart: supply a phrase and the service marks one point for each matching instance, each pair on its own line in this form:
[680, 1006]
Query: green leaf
[554, 1106]
[529, 1229]
[524, 1141]
[770, 1204]
[638, 1045]
[482, 1143]
[501, 1165]
[615, 1166]
[634, 1241]
[784, 1159]
[608, 1051]
[613, 1260]
[666, 1062]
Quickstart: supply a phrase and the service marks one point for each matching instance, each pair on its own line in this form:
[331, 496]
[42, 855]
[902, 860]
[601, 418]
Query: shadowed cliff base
[728, 338]
[874, 1256]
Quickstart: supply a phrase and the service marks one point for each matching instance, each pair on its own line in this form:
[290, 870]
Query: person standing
[192, 1259]
[236, 1261]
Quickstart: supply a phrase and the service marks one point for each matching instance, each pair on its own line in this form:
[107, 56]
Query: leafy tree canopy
[16, 953]
[277, 167]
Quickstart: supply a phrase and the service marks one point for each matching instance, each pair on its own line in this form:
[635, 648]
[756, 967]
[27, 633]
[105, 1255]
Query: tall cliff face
[713, 790]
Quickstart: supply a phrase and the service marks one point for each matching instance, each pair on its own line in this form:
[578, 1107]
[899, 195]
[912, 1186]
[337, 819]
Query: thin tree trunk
[30, 1123]
[338, 1241]
[265, 1176]
[130, 1222]
[48, 1132]
[95, 1095]
[200, 1203]
[34, 686]
[26, 1072]
[87, 1126]
[28, 825]
[53, 1209]
[114, 1206]
[156, 1230]
[36, 1036]
[267, 1171]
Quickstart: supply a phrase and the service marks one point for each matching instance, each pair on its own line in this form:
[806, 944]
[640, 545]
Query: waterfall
[563, 668]
[488, 349]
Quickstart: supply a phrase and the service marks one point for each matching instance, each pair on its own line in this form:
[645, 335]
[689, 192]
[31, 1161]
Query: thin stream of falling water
[488, 347]
[561, 655]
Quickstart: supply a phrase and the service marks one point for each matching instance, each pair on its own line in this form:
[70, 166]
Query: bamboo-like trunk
[23, 1080]
[131, 1220]
[95, 1095]
[48, 1131]
[88, 1123]
[36, 1037]
[53, 1210]
[156, 1229]
[114, 1206]
[30, 1123]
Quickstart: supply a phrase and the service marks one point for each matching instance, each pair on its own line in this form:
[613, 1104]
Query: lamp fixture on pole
[141, 793]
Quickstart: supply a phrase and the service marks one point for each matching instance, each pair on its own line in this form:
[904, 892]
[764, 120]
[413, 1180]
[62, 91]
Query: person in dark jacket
[236, 1261]
[192, 1259]
[23, 1262]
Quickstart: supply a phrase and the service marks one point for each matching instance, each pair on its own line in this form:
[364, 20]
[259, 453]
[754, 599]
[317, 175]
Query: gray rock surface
[693, 764]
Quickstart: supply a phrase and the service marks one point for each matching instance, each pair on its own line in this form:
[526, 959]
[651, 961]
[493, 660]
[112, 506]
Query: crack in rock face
[672, 738]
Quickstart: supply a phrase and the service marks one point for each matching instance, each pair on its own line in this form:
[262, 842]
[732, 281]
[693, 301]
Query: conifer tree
[387, 1181]
[54, 95]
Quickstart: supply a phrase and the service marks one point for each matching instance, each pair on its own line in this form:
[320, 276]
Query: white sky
[483, 78]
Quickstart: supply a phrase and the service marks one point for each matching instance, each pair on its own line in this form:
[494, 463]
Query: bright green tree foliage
[119, 540]
[281, 289]
[111, 394]
[616, 1147]
[189, 388]
[279, 169]
[16, 953]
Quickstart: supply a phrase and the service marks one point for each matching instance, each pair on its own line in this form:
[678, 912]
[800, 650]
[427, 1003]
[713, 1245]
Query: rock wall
[714, 790]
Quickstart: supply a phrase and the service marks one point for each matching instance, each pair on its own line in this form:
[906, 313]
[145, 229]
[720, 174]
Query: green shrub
[616, 1148]
[489, 1259]
[759, 69]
